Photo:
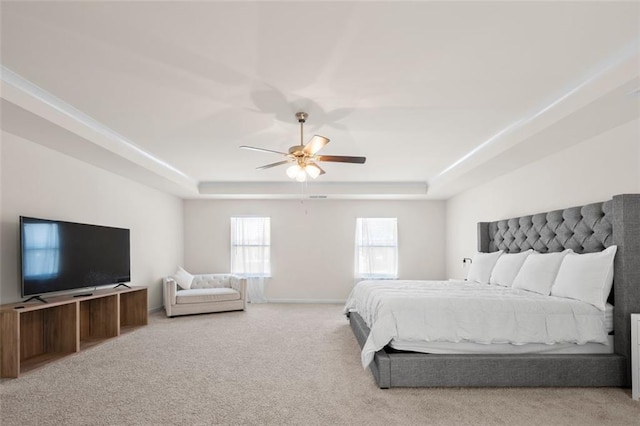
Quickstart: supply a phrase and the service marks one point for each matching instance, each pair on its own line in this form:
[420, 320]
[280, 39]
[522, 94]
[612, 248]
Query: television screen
[59, 255]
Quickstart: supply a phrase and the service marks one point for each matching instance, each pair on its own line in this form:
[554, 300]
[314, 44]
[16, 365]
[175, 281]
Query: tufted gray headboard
[584, 229]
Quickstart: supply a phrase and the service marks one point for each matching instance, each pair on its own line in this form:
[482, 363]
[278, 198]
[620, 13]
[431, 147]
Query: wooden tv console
[38, 333]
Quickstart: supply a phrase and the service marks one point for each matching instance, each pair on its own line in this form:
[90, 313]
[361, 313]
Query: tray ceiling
[429, 92]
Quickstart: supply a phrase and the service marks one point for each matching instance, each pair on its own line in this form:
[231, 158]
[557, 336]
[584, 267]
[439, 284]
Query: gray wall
[39, 182]
[591, 171]
[313, 241]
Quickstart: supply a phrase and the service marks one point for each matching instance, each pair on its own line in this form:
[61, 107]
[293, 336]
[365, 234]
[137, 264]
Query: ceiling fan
[305, 157]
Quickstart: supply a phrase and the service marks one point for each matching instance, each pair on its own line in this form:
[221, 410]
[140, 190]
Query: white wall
[1, 216]
[39, 182]
[313, 241]
[591, 171]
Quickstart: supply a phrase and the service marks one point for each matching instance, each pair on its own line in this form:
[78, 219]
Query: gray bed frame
[584, 229]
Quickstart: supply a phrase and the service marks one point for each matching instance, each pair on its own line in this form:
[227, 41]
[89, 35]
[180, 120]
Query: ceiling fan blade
[253, 148]
[268, 166]
[315, 144]
[341, 159]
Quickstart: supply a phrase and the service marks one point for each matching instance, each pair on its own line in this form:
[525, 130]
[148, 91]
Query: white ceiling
[413, 86]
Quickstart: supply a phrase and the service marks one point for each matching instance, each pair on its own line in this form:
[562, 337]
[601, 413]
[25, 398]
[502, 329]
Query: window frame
[359, 275]
[233, 245]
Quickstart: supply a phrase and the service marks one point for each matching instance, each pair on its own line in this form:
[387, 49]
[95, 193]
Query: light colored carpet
[273, 364]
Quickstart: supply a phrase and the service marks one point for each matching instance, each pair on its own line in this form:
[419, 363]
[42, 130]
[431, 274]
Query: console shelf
[36, 333]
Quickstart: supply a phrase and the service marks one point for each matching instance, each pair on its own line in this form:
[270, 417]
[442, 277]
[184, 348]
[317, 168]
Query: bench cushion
[203, 295]
[210, 281]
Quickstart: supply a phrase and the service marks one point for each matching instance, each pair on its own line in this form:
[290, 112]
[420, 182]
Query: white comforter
[456, 311]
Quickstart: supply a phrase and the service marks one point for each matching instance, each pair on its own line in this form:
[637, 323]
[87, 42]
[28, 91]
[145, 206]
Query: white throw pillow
[507, 268]
[539, 272]
[183, 278]
[587, 277]
[482, 265]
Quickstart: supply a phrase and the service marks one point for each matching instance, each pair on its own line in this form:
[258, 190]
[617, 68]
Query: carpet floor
[273, 364]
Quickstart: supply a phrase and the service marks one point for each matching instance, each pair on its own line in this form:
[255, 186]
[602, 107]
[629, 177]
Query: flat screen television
[58, 256]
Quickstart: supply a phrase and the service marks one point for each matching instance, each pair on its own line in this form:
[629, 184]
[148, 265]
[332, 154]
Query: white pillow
[587, 277]
[539, 272]
[507, 267]
[183, 278]
[482, 265]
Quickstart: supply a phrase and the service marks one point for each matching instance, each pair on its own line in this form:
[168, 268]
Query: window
[251, 246]
[376, 248]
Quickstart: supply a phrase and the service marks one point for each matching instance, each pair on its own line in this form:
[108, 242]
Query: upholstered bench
[207, 293]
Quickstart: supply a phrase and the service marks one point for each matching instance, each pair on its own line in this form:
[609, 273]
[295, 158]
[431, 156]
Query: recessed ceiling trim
[626, 58]
[344, 190]
[613, 110]
[24, 93]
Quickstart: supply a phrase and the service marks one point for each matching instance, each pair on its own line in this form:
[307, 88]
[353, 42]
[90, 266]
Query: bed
[585, 229]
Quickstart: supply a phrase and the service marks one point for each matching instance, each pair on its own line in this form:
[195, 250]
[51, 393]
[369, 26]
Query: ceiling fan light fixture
[312, 170]
[297, 172]
[301, 176]
[292, 171]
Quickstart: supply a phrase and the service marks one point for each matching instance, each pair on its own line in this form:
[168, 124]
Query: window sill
[375, 278]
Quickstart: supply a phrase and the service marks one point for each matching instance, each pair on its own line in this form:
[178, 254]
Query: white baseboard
[340, 301]
[319, 301]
